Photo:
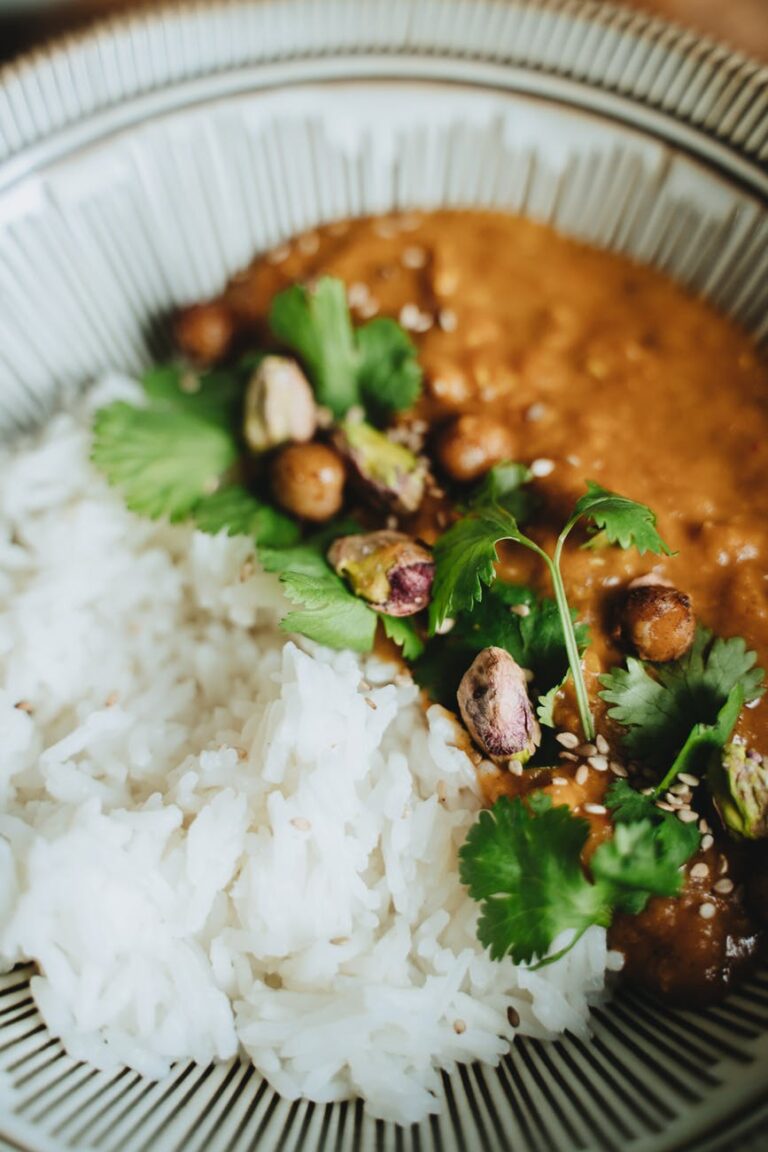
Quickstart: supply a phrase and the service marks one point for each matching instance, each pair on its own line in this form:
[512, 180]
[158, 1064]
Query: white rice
[213, 838]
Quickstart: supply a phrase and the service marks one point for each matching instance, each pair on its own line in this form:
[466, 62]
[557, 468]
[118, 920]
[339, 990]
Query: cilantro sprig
[466, 556]
[374, 366]
[522, 860]
[673, 713]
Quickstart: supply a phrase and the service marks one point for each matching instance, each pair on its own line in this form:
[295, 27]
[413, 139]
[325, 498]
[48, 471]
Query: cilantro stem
[571, 646]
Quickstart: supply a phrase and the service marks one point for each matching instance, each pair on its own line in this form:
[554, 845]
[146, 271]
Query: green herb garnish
[522, 862]
[466, 555]
[374, 366]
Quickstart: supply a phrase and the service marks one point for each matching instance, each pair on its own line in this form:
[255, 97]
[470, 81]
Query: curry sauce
[602, 370]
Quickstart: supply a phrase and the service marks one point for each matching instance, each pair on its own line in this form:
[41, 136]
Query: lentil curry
[583, 365]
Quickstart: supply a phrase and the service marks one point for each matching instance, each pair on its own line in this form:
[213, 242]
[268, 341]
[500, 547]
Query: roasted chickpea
[658, 622]
[308, 481]
[469, 446]
[204, 332]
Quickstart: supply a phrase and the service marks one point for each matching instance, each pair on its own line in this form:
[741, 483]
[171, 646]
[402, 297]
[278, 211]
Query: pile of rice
[214, 838]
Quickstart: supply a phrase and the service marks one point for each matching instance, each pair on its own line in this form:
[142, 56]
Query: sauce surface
[602, 370]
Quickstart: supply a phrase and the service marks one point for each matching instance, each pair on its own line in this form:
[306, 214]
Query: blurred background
[27, 23]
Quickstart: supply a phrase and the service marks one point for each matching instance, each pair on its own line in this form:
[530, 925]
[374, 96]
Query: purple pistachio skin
[386, 474]
[494, 705]
[391, 571]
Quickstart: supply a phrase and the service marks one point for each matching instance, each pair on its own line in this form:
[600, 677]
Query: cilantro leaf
[375, 365]
[216, 395]
[402, 631]
[329, 613]
[389, 373]
[522, 862]
[660, 705]
[623, 521]
[504, 486]
[316, 325]
[165, 460]
[464, 558]
[235, 510]
[678, 841]
[525, 868]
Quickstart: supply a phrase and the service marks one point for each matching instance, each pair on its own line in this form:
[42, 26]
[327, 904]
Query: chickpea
[204, 332]
[470, 446]
[308, 481]
[658, 622]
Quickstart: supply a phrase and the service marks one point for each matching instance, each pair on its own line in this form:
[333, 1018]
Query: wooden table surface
[741, 23]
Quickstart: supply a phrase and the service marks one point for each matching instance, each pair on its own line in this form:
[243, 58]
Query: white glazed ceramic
[143, 164]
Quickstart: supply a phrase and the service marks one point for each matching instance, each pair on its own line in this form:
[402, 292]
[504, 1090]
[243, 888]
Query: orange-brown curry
[604, 370]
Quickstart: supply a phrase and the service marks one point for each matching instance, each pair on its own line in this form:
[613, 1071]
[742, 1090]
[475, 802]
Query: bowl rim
[737, 81]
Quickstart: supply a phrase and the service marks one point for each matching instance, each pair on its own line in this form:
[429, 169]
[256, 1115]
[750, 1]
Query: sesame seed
[542, 467]
[704, 826]
[371, 704]
[724, 886]
[521, 610]
[680, 790]
[595, 809]
[699, 871]
[414, 257]
[560, 781]
[599, 763]
[513, 1016]
[647, 791]
[277, 255]
[413, 319]
[664, 806]
[569, 756]
[586, 750]
[369, 309]
[189, 383]
[301, 824]
[723, 864]
[707, 910]
[675, 801]
[459, 1026]
[308, 244]
[687, 778]
[707, 842]
[536, 412]
[447, 319]
[567, 739]
[602, 745]
[687, 816]
[515, 767]
[358, 294]
[444, 628]
[618, 769]
[582, 774]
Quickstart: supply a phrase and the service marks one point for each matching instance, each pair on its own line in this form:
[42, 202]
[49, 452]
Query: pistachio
[279, 406]
[388, 472]
[390, 570]
[494, 705]
[739, 783]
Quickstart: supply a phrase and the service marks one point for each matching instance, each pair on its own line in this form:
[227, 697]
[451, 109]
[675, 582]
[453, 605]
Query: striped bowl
[143, 163]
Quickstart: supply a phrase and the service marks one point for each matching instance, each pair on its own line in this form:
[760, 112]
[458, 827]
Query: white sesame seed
[413, 319]
[560, 781]
[414, 257]
[595, 809]
[664, 806]
[459, 1026]
[444, 628]
[301, 824]
[542, 467]
[369, 309]
[724, 886]
[536, 412]
[567, 739]
[675, 801]
[447, 319]
[515, 767]
[569, 756]
[618, 769]
[700, 871]
[704, 826]
[586, 750]
[707, 910]
[599, 763]
[647, 791]
[723, 864]
[358, 294]
[611, 581]
[602, 745]
[687, 778]
[582, 774]
[521, 610]
[277, 255]
[687, 816]
[308, 244]
[680, 790]
[574, 461]
[707, 842]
